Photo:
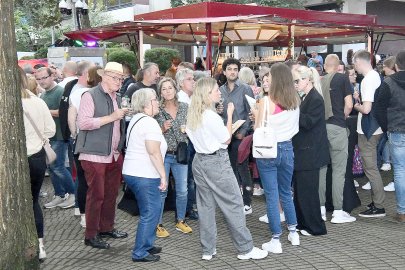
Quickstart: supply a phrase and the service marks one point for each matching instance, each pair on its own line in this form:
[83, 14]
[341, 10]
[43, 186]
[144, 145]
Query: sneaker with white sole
[68, 202]
[56, 200]
[356, 184]
[83, 220]
[390, 187]
[264, 219]
[207, 257]
[373, 212]
[42, 253]
[323, 213]
[247, 210]
[366, 186]
[386, 167]
[43, 194]
[305, 233]
[294, 238]
[273, 246]
[254, 254]
[258, 191]
[77, 211]
[340, 216]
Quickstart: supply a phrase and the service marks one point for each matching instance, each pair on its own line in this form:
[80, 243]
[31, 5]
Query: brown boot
[400, 217]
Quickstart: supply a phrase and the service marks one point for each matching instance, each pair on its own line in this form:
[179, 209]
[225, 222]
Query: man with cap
[99, 143]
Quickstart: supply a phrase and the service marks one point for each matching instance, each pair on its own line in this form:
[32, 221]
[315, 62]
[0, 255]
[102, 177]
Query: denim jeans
[179, 172]
[276, 175]
[147, 193]
[397, 147]
[60, 176]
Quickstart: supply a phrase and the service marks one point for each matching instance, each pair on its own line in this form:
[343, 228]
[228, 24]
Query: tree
[19, 242]
[162, 57]
[273, 3]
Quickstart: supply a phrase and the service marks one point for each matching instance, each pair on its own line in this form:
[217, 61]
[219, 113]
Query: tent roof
[174, 25]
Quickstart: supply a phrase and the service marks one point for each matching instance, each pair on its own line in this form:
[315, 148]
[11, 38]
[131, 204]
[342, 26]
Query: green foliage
[122, 56]
[162, 57]
[273, 3]
[41, 53]
[27, 57]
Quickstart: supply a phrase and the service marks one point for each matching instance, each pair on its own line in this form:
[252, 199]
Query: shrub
[162, 57]
[27, 57]
[41, 53]
[122, 56]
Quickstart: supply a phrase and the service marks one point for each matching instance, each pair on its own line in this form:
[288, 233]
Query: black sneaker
[373, 212]
[370, 205]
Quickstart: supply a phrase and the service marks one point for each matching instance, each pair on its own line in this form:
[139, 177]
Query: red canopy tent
[232, 24]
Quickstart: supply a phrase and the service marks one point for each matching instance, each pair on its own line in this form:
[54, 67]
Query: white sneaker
[366, 186]
[340, 216]
[356, 184]
[68, 202]
[390, 187]
[264, 219]
[282, 217]
[77, 211]
[258, 191]
[274, 246]
[56, 200]
[294, 238]
[42, 253]
[247, 210]
[323, 213]
[83, 221]
[386, 167]
[209, 257]
[305, 233]
[43, 194]
[255, 254]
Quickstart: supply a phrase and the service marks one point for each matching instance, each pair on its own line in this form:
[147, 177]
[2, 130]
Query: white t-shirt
[369, 85]
[137, 161]
[76, 95]
[183, 97]
[211, 135]
[66, 80]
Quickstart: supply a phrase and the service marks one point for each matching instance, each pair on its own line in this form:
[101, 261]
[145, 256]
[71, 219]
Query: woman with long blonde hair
[215, 180]
[276, 173]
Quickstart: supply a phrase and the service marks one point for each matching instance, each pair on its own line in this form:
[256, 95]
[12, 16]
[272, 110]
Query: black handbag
[369, 123]
[182, 147]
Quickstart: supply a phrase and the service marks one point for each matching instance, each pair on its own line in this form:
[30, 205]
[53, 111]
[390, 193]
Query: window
[115, 4]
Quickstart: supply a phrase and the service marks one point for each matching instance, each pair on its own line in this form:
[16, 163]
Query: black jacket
[389, 103]
[311, 146]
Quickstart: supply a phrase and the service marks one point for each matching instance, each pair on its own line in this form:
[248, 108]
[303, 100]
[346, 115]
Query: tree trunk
[19, 243]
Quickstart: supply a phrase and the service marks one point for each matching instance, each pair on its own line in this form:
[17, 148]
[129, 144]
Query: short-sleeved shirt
[369, 85]
[174, 135]
[183, 97]
[136, 86]
[137, 160]
[211, 135]
[52, 99]
[76, 95]
[340, 88]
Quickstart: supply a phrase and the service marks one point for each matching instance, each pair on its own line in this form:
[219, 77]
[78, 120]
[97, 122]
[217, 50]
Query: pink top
[278, 109]
[87, 121]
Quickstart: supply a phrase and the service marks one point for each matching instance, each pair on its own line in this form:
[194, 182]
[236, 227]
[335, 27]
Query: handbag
[264, 137]
[182, 147]
[369, 123]
[50, 153]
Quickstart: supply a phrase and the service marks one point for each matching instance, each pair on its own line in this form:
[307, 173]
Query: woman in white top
[39, 113]
[144, 172]
[276, 173]
[215, 180]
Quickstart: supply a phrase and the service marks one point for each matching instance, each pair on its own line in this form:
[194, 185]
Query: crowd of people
[197, 134]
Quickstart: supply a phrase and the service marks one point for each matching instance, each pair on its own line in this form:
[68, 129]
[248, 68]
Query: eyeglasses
[117, 79]
[43, 78]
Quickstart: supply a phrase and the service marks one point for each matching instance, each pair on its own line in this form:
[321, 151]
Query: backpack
[325, 84]
[63, 109]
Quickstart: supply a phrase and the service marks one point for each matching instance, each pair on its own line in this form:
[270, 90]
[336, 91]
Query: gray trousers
[368, 154]
[216, 185]
[338, 148]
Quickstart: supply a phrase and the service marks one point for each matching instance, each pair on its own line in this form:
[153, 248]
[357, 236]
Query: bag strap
[35, 126]
[129, 135]
[265, 111]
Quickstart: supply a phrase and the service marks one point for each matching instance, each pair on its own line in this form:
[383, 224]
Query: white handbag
[264, 137]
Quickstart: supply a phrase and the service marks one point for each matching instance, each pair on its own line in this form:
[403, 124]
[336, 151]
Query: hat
[113, 67]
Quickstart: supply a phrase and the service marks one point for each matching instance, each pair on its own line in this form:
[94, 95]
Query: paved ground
[365, 244]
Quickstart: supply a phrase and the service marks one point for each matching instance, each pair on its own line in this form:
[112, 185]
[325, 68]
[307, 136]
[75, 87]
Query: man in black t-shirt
[342, 103]
[150, 76]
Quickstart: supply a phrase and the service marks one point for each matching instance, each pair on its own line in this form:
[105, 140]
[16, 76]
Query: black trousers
[82, 185]
[37, 166]
[241, 171]
[306, 202]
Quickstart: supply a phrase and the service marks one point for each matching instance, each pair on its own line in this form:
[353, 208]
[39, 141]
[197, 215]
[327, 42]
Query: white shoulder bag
[264, 137]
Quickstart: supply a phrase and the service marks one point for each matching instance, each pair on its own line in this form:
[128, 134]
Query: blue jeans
[276, 175]
[147, 193]
[383, 151]
[60, 176]
[397, 148]
[179, 172]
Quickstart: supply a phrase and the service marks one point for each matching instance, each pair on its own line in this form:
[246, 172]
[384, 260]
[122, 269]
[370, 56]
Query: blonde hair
[247, 76]
[32, 84]
[332, 61]
[282, 90]
[159, 90]
[141, 98]
[23, 84]
[200, 102]
[312, 75]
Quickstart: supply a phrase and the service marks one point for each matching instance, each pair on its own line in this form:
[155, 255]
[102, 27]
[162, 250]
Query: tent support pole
[209, 47]
[219, 48]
